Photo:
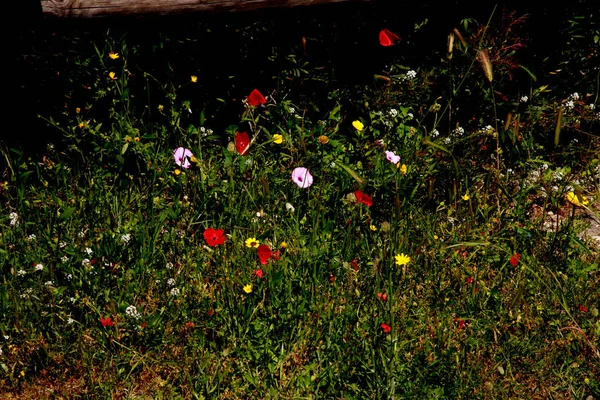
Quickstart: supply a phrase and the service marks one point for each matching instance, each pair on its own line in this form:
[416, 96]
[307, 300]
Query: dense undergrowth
[380, 218]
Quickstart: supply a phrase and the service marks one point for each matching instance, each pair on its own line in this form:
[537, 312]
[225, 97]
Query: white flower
[393, 112]
[69, 276]
[32, 237]
[410, 75]
[249, 161]
[174, 292]
[332, 164]
[81, 234]
[169, 265]
[21, 272]
[592, 107]
[72, 299]
[14, 218]
[89, 251]
[447, 140]
[435, 133]
[524, 99]
[0, 351]
[62, 245]
[85, 262]
[289, 207]
[70, 320]
[544, 167]
[125, 238]
[39, 267]
[459, 131]
[292, 110]
[410, 116]
[574, 96]
[132, 312]
[509, 171]
[48, 283]
[6, 337]
[64, 259]
[570, 104]
[488, 129]
[171, 282]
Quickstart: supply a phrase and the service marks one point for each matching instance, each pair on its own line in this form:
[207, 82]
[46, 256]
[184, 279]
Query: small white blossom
[14, 219]
[524, 99]
[174, 292]
[64, 259]
[447, 140]
[62, 245]
[171, 282]
[69, 277]
[410, 75]
[169, 265]
[70, 320]
[249, 161]
[6, 337]
[592, 107]
[81, 234]
[509, 171]
[393, 112]
[332, 165]
[85, 262]
[89, 251]
[132, 312]
[435, 133]
[410, 116]
[574, 96]
[292, 110]
[39, 267]
[48, 283]
[32, 237]
[570, 104]
[459, 131]
[125, 238]
[72, 299]
[290, 207]
[544, 167]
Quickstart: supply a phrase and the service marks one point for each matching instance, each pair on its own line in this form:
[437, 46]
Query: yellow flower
[194, 159]
[112, 76]
[435, 237]
[403, 169]
[373, 228]
[177, 171]
[252, 242]
[81, 125]
[358, 125]
[161, 107]
[113, 55]
[466, 197]
[277, 138]
[402, 259]
[77, 110]
[248, 288]
[136, 139]
[283, 245]
[194, 78]
[323, 139]
[574, 199]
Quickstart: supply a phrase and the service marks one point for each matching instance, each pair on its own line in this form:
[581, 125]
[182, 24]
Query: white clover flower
[39, 267]
[393, 112]
[14, 219]
[125, 238]
[435, 133]
[332, 165]
[410, 75]
[132, 312]
[459, 131]
[524, 99]
[86, 262]
[509, 171]
[31, 237]
[169, 265]
[174, 292]
[203, 130]
[21, 272]
[171, 282]
[89, 251]
[62, 245]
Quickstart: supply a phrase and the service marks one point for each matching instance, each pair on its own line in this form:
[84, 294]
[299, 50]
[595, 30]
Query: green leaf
[67, 213]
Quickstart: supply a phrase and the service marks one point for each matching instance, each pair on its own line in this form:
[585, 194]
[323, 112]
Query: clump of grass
[150, 253]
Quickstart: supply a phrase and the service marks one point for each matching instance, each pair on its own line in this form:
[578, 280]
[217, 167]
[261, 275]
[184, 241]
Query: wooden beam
[102, 8]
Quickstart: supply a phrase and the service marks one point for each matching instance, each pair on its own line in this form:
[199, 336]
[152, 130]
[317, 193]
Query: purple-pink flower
[302, 177]
[393, 158]
[182, 157]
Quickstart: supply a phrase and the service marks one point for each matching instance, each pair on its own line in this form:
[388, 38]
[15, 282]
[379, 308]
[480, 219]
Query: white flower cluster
[175, 292]
[393, 112]
[39, 267]
[410, 75]
[14, 219]
[435, 133]
[126, 238]
[205, 132]
[524, 99]
[459, 131]
[132, 312]
[171, 282]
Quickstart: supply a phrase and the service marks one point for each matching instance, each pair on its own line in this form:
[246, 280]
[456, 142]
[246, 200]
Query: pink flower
[393, 158]
[302, 177]
[182, 155]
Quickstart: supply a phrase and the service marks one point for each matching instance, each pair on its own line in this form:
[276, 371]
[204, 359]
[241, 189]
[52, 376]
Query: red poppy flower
[386, 328]
[214, 237]
[363, 198]
[583, 309]
[259, 273]
[242, 141]
[382, 296]
[388, 38]
[256, 98]
[469, 280]
[106, 322]
[514, 260]
[276, 255]
[264, 253]
[189, 324]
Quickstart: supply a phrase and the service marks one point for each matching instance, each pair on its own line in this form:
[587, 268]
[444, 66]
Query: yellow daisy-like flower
[575, 200]
[373, 228]
[252, 242]
[466, 197]
[81, 125]
[358, 125]
[194, 78]
[283, 245]
[248, 288]
[277, 138]
[403, 169]
[177, 171]
[402, 259]
[113, 55]
[77, 110]
[436, 237]
[161, 107]
[112, 75]
[323, 139]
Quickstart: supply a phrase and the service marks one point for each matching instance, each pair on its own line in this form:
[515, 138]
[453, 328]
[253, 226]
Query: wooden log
[102, 8]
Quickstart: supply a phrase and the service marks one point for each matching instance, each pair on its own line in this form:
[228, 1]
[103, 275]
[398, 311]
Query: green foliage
[109, 281]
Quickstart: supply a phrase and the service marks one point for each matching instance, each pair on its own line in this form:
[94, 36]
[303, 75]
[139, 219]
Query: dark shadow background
[231, 59]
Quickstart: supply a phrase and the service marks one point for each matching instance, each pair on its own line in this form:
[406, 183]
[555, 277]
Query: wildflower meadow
[337, 202]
